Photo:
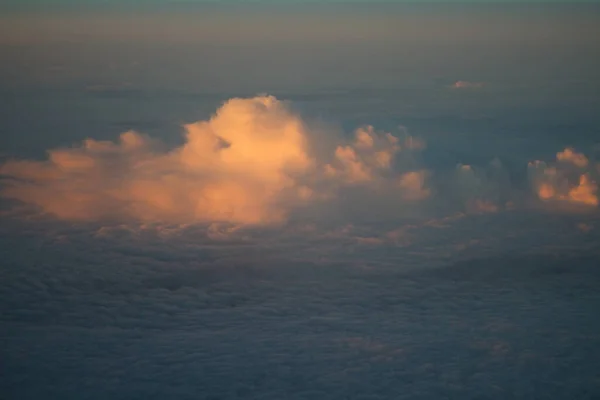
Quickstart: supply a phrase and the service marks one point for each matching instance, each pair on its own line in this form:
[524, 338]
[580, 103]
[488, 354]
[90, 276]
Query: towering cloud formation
[250, 163]
[255, 162]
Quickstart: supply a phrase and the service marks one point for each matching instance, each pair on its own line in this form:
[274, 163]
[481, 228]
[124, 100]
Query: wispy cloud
[466, 85]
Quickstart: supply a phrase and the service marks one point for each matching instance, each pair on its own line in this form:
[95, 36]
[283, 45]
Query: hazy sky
[53, 5]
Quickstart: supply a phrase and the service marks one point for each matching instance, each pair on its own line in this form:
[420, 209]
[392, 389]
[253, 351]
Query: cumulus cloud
[369, 158]
[569, 155]
[257, 162]
[251, 163]
[413, 185]
[238, 166]
[558, 182]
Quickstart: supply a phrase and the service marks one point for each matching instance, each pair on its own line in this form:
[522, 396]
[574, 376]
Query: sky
[299, 202]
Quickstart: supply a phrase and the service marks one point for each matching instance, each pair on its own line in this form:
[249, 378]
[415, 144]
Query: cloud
[413, 185]
[466, 85]
[365, 158]
[253, 162]
[481, 189]
[218, 315]
[557, 182]
[584, 192]
[569, 155]
[257, 162]
[369, 158]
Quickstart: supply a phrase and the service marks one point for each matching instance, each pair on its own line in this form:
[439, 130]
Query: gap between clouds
[256, 162]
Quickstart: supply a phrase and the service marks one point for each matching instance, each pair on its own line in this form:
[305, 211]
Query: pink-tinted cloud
[253, 162]
[256, 162]
[466, 85]
[239, 166]
[365, 158]
[413, 185]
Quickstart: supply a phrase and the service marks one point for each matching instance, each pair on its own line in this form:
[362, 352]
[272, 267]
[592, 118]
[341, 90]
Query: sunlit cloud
[257, 162]
[368, 157]
[569, 155]
[559, 183]
[413, 185]
[239, 166]
[251, 163]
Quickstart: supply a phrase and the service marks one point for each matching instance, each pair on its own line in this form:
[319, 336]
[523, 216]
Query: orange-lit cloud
[413, 185]
[556, 182]
[569, 155]
[584, 192]
[255, 162]
[251, 163]
[365, 158]
[239, 166]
